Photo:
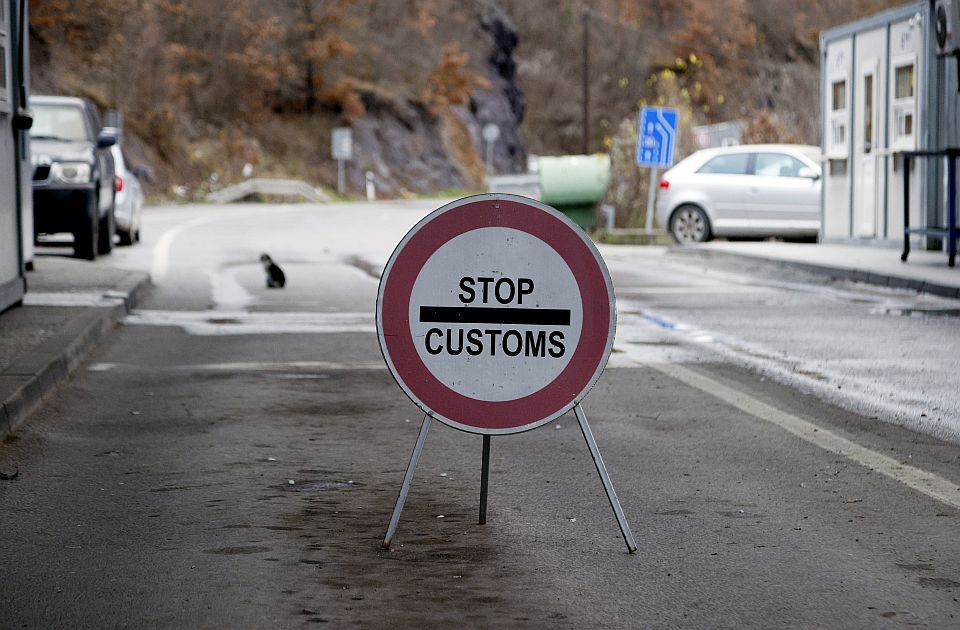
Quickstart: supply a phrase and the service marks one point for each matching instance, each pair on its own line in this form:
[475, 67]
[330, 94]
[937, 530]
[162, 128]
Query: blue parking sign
[657, 136]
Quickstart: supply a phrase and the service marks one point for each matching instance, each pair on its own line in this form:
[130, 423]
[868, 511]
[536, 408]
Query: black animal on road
[275, 277]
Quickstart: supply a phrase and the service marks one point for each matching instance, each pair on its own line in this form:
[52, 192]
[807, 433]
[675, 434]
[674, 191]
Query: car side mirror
[808, 173]
[107, 138]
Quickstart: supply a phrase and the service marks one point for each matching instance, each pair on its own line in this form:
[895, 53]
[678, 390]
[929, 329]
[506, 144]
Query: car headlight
[71, 172]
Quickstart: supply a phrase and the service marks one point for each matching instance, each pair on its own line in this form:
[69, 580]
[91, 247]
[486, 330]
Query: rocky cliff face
[409, 148]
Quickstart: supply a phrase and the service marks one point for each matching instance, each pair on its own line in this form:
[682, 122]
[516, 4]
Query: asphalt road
[231, 456]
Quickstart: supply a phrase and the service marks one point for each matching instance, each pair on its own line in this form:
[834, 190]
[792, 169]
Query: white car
[129, 209]
[748, 190]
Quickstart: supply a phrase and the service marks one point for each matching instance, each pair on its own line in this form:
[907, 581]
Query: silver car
[748, 190]
[129, 209]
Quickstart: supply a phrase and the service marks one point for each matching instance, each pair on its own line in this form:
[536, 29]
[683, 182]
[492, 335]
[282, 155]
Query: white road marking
[161, 252]
[221, 323]
[639, 330]
[227, 293]
[68, 298]
[258, 366]
[160, 264]
[930, 484]
[102, 367]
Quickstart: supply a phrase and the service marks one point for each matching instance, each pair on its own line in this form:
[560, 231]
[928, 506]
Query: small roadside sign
[657, 137]
[341, 143]
[496, 314]
[341, 146]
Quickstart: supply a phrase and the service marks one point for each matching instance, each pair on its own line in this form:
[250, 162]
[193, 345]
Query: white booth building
[885, 90]
[16, 214]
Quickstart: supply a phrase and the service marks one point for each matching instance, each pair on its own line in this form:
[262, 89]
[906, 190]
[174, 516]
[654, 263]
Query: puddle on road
[237, 551]
[916, 312]
[223, 321]
[319, 485]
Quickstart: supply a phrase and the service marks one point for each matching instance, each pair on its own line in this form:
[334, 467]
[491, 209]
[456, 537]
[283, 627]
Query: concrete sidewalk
[924, 271]
[69, 307]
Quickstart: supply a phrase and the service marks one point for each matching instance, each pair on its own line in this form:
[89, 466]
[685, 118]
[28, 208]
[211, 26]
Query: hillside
[205, 88]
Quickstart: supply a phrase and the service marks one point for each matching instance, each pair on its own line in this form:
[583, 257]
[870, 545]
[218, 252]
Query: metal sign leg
[605, 478]
[484, 479]
[407, 480]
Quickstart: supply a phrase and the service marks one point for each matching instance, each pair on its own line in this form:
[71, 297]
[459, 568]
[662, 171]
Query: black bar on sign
[488, 315]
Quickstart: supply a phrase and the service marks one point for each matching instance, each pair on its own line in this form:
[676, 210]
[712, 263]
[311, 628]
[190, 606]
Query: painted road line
[161, 252]
[252, 366]
[214, 323]
[932, 485]
[72, 298]
[227, 293]
[638, 329]
[160, 263]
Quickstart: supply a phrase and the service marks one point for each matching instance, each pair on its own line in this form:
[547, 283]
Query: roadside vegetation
[206, 88]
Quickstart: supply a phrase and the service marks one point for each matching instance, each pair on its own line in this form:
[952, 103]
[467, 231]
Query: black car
[73, 173]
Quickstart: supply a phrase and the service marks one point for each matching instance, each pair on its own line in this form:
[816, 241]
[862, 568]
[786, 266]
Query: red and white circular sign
[496, 314]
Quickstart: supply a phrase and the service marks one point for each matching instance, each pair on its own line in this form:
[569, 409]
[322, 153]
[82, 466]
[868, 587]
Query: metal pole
[586, 81]
[650, 197]
[952, 206]
[605, 478]
[489, 158]
[407, 480]
[906, 208]
[340, 178]
[484, 479]
[371, 187]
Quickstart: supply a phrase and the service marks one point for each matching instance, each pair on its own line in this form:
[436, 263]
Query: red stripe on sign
[570, 385]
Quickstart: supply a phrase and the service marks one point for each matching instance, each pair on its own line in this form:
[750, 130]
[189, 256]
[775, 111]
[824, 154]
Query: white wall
[906, 47]
[838, 64]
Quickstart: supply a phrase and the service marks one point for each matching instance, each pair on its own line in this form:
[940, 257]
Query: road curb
[43, 368]
[838, 273]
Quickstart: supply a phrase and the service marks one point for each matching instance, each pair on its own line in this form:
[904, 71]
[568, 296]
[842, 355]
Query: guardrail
[284, 187]
[526, 185]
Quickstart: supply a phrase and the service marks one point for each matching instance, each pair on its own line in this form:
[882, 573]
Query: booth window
[868, 113]
[904, 105]
[838, 118]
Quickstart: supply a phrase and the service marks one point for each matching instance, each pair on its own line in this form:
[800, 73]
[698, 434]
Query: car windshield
[58, 122]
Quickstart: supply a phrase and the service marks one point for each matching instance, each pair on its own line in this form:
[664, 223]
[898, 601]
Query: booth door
[867, 204]
[11, 281]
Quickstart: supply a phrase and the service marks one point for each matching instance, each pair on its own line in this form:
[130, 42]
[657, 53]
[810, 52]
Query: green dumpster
[574, 184]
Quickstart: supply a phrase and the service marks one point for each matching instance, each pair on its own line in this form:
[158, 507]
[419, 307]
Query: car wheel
[86, 232]
[125, 237]
[689, 224]
[108, 227]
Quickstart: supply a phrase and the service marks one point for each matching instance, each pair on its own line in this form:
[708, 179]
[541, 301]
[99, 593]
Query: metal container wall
[574, 184]
[574, 179]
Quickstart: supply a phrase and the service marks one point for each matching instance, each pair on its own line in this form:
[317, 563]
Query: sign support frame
[484, 480]
[407, 480]
[651, 197]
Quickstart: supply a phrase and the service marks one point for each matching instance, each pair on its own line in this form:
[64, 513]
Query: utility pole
[585, 16]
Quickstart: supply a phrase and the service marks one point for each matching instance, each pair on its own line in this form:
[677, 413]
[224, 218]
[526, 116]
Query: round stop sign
[495, 314]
